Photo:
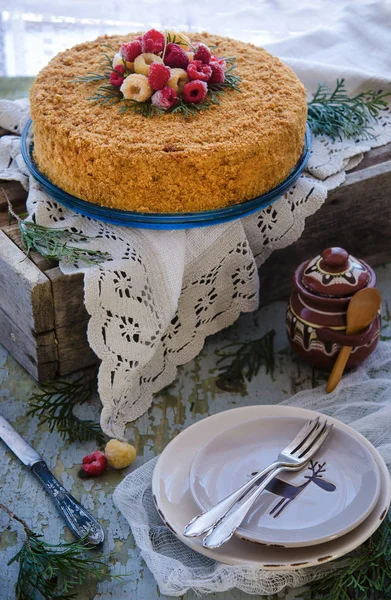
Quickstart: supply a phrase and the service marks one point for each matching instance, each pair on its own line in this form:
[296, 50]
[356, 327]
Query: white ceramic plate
[331, 497]
[175, 503]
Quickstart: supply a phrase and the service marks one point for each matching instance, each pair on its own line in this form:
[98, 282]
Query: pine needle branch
[242, 360]
[52, 571]
[365, 574]
[54, 244]
[54, 405]
[336, 114]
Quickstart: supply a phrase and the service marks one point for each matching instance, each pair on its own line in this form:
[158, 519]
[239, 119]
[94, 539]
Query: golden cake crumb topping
[229, 153]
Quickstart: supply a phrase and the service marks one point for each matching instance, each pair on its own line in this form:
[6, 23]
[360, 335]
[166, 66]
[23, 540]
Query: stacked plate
[302, 519]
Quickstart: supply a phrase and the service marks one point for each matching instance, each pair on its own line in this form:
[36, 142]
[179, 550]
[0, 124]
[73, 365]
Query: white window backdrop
[32, 31]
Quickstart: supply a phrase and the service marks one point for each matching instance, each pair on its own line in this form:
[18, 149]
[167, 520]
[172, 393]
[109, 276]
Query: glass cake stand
[160, 220]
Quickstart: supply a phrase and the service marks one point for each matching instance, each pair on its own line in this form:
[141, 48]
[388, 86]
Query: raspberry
[142, 62]
[195, 91]
[131, 50]
[176, 57]
[158, 75]
[202, 54]
[221, 61]
[117, 76]
[136, 87]
[178, 80]
[165, 98]
[153, 41]
[94, 464]
[218, 74]
[119, 454]
[197, 70]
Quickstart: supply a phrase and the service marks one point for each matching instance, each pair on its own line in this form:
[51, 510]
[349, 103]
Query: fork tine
[309, 452]
[302, 436]
[303, 448]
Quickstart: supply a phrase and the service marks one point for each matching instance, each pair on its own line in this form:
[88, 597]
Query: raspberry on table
[218, 74]
[153, 41]
[119, 454]
[176, 57]
[94, 464]
[158, 76]
[197, 70]
[131, 50]
[117, 76]
[165, 98]
[195, 91]
[203, 54]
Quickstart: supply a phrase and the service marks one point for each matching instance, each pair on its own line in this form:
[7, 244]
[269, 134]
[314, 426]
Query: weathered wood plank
[68, 295]
[25, 292]
[14, 191]
[74, 352]
[356, 216]
[43, 264]
[36, 353]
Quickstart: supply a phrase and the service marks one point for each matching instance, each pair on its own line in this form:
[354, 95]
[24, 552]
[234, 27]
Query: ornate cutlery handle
[206, 520]
[227, 526]
[78, 519]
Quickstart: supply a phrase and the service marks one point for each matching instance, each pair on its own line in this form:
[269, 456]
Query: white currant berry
[136, 87]
[178, 80]
[142, 62]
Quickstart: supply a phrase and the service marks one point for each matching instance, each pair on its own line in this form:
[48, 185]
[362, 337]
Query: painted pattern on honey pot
[316, 314]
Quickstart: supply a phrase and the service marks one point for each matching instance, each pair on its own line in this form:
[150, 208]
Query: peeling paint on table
[190, 398]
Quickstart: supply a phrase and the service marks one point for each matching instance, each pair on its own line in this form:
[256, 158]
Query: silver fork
[298, 458]
[294, 457]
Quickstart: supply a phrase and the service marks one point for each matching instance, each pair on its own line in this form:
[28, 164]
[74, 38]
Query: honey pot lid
[335, 273]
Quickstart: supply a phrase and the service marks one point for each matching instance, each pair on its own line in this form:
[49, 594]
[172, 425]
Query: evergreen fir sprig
[106, 95]
[140, 108]
[242, 360]
[54, 405]
[336, 114]
[52, 571]
[365, 575]
[231, 81]
[92, 77]
[54, 244]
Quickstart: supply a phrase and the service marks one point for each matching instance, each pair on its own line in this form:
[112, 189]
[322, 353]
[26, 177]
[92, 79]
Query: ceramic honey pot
[316, 314]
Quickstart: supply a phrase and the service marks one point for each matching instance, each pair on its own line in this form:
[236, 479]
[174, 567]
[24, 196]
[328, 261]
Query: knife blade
[77, 518]
[17, 444]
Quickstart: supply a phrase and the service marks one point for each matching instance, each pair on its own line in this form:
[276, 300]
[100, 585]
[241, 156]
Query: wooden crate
[43, 320]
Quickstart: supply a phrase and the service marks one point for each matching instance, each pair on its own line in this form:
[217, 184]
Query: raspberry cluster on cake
[234, 149]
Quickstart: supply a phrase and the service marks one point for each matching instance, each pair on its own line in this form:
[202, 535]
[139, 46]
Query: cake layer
[232, 152]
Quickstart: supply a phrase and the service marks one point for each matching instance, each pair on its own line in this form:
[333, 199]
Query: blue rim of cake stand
[160, 220]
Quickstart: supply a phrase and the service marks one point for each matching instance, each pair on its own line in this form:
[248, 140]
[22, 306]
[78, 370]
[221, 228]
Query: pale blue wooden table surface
[193, 396]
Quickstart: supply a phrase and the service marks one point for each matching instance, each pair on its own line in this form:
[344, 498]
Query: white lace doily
[362, 400]
[162, 292]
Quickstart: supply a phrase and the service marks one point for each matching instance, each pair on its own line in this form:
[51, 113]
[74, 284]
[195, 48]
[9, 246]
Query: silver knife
[78, 519]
